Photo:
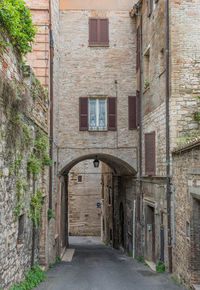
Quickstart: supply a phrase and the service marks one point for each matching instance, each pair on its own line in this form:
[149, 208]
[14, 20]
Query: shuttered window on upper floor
[150, 158]
[98, 32]
[97, 114]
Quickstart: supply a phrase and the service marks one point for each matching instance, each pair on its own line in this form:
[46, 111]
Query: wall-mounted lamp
[96, 162]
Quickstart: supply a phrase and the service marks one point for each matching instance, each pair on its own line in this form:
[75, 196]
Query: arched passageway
[118, 192]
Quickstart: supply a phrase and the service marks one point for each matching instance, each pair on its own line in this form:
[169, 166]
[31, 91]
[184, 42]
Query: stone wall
[84, 192]
[151, 211]
[118, 195]
[184, 66]
[23, 116]
[186, 182]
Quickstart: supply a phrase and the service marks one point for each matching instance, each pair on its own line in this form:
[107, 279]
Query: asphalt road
[97, 267]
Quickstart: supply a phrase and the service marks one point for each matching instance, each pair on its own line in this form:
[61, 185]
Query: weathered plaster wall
[96, 4]
[22, 105]
[84, 216]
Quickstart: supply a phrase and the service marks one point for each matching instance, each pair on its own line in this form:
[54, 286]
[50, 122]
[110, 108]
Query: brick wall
[95, 71]
[83, 195]
[39, 59]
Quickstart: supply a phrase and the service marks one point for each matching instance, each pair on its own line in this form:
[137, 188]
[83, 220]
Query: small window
[147, 69]
[80, 179]
[98, 32]
[97, 114]
[187, 229]
[20, 237]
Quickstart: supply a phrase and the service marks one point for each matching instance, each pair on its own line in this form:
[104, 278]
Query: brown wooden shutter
[138, 108]
[98, 32]
[83, 114]
[132, 112]
[150, 164]
[103, 31]
[138, 49]
[93, 31]
[112, 114]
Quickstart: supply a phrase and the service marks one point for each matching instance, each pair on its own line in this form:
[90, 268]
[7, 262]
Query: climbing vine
[15, 17]
[35, 208]
[197, 114]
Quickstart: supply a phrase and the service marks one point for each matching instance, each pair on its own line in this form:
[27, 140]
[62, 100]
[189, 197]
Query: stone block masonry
[23, 114]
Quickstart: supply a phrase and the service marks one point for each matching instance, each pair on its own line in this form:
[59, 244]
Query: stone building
[186, 191]
[84, 194]
[167, 89]
[23, 123]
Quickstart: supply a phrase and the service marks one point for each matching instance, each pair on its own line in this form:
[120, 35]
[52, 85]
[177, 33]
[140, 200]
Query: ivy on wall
[15, 17]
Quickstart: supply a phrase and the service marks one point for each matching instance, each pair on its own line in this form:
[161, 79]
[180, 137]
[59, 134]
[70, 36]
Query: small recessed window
[80, 179]
[187, 229]
[20, 237]
[97, 114]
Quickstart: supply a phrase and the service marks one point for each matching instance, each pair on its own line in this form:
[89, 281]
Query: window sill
[99, 45]
[97, 130]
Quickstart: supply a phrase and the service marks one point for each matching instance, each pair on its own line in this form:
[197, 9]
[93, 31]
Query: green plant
[146, 83]
[15, 17]
[20, 189]
[34, 165]
[140, 259]
[130, 254]
[50, 214]
[146, 264]
[50, 266]
[58, 260]
[35, 207]
[27, 135]
[32, 279]
[17, 163]
[160, 267]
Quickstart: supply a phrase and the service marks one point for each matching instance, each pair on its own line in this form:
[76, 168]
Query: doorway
[150, 233]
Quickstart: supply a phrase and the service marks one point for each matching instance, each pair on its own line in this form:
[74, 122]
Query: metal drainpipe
[51, 104]
[168, 143]
[141, 133]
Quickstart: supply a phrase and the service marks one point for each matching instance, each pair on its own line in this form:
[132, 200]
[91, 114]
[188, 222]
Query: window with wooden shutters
[83, 114]
[150, 162]
[132, 112]
[98, 32]
[138, 108]
[112, 114]
[138, 49]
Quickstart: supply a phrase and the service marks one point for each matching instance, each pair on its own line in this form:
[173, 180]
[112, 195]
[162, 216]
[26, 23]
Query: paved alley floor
[97, 267]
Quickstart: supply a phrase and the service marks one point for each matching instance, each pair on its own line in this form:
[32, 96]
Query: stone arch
[122, 163]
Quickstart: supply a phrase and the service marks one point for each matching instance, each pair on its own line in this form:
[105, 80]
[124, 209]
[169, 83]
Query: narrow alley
[95, 266]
